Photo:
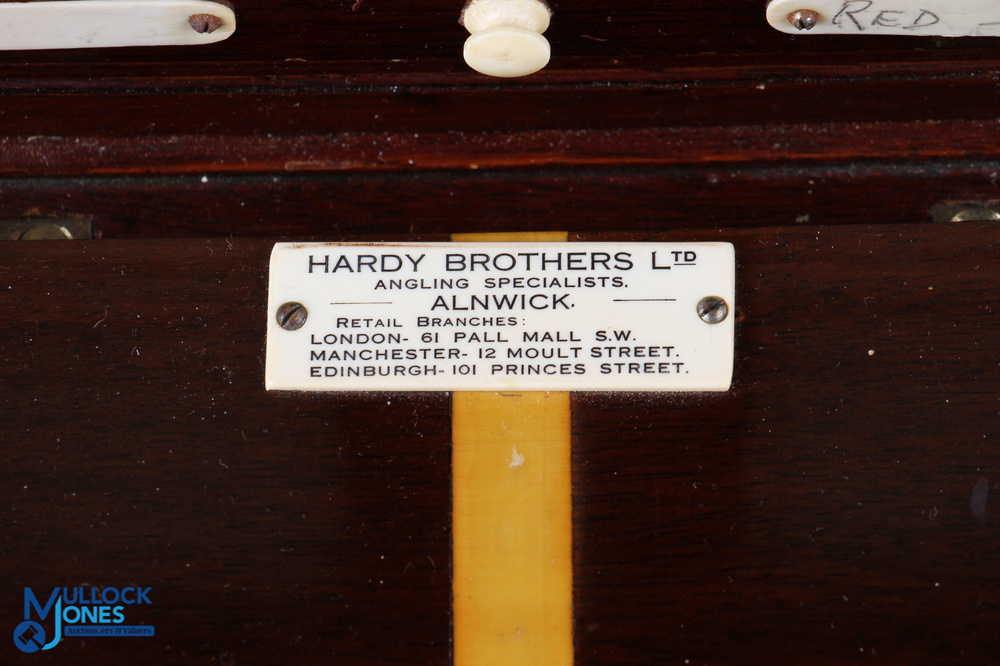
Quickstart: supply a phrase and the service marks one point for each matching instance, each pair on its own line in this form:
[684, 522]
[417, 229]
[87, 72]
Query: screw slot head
[712, 309]
[803, 19]
[205, 23]
[292, 316]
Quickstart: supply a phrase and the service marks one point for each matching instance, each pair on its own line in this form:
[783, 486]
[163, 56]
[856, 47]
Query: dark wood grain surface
[592, 199]
[822, 511]
[360, 117]
[141, 449]
[819, 512]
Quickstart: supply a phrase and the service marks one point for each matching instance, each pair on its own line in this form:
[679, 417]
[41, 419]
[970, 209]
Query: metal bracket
[966, 211]
[73, 228]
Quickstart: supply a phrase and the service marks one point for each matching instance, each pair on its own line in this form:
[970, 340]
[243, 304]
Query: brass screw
[712, 309]
[976, 213]
[47, 231]
[203, 23]
[292, 316]
[804, 19]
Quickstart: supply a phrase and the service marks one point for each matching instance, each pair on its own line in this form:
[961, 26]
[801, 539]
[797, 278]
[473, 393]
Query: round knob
[506, 36]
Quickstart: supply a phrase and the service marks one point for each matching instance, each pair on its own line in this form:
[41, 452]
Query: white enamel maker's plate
[501, 316]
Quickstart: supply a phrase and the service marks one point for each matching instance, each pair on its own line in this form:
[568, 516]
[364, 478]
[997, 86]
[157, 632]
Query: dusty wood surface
[360, 117]
[329, 206]
[823, 511]
[278, 528]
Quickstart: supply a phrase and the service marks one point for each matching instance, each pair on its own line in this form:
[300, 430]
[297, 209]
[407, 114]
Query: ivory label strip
[943, 18]
[85, 24]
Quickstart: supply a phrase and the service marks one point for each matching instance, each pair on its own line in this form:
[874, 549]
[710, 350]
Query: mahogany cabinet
[835, 506]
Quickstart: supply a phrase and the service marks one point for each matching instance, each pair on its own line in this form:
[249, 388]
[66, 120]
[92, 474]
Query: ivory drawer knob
[506, 36]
